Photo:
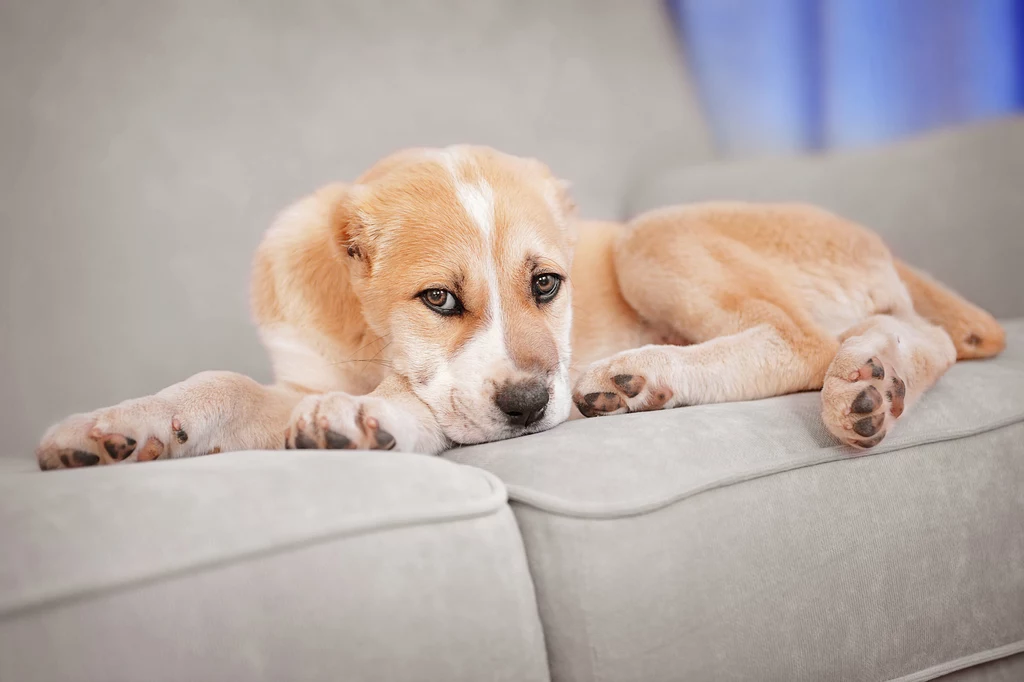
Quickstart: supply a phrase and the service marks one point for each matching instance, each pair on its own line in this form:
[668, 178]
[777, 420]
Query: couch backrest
[144, 147]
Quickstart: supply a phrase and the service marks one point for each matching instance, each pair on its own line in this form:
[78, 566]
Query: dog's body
[429, 304]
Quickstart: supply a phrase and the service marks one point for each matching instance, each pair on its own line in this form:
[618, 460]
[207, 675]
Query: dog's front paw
[136, 430]
[339, 421]
[626, 382]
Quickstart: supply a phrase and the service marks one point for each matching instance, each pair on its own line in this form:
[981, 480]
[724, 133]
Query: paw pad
[598, 403]
[897, 396]
[78, 458]
[860, 405]
[867, 401]
[119, 447]
[337, 441]
[658, 399]
[872, 369]
[868, 426]
[153, 448]
[629, 384]
[336, 422]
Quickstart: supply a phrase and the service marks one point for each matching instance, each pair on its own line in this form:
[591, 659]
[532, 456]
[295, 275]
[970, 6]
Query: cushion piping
[561, 507]
[963, 663]
[476, 508]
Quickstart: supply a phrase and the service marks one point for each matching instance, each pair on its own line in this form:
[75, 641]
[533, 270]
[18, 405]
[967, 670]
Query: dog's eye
[545, 287]
[441, 301]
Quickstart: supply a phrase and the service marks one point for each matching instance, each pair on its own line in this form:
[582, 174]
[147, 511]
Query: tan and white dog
[436, 300]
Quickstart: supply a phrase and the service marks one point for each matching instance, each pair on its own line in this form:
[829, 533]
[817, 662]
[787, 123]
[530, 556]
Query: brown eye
[441, 301]
[545, 287]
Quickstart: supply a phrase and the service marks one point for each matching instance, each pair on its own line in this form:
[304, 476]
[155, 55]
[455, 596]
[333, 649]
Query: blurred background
[778, 76]
[145, 146]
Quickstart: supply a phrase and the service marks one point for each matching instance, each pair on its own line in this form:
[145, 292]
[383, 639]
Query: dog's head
[461, 259]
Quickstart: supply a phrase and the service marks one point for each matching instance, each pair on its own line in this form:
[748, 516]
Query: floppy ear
[564, 194]
[349, 226]
[558, 195]
[563, 207]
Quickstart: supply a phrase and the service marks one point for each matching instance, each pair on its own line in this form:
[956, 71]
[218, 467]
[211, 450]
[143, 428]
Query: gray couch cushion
[145, 146]
[723, 541]
[950, 202]
[264, 566]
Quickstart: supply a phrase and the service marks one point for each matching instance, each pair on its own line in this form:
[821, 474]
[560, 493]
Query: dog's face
[461, 260]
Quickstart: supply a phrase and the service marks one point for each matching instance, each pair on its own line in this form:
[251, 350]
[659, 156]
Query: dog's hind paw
[861, 400]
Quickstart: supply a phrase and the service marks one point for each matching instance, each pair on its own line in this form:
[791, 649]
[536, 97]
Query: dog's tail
[975, 333]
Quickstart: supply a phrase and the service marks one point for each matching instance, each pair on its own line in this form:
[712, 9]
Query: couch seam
[561, 507]
[963, 663]
[485, 506]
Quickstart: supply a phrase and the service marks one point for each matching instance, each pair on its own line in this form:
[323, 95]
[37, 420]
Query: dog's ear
[563, 192]
[563, 206]
[558, 194]
[349, 225]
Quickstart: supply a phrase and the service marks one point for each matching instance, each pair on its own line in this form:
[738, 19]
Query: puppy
[435, 301]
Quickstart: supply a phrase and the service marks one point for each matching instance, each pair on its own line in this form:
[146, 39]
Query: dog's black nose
[523, 401]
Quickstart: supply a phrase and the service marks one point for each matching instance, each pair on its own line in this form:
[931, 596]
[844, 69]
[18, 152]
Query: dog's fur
[685, 305]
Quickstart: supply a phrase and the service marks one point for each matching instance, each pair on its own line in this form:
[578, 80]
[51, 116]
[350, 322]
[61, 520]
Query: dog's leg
[883, 366]
[389, 418]
[758, 362]
[974, 332]
[210, 412]
[752, 337]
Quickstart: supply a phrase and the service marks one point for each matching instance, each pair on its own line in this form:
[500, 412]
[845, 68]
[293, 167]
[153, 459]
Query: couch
[146, 145]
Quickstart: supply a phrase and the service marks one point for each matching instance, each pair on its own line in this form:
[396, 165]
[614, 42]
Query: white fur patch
[478, 200]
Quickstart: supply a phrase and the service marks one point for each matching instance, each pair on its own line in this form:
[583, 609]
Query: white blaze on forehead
[477, 199]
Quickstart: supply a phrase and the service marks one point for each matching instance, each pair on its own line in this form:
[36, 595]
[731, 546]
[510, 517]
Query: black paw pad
[304, 442]
[337, 441]
[603, 402]
[119, 448]
[868, 426]
[867, 401]
[385, 441]
[629, 384]
[82, 458]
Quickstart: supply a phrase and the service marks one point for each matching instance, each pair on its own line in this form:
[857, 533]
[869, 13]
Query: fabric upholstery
[146, 146]
[950, 202]
[264, 566]
[727, 541]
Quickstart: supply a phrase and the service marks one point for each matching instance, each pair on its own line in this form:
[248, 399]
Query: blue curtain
[786, 75]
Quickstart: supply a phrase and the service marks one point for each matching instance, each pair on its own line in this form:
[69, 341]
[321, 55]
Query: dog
[435, 302]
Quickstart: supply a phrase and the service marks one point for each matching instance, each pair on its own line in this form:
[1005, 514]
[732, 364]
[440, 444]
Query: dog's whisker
[374, 359]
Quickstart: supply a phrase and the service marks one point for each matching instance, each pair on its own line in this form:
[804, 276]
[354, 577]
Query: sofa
[146, 146]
